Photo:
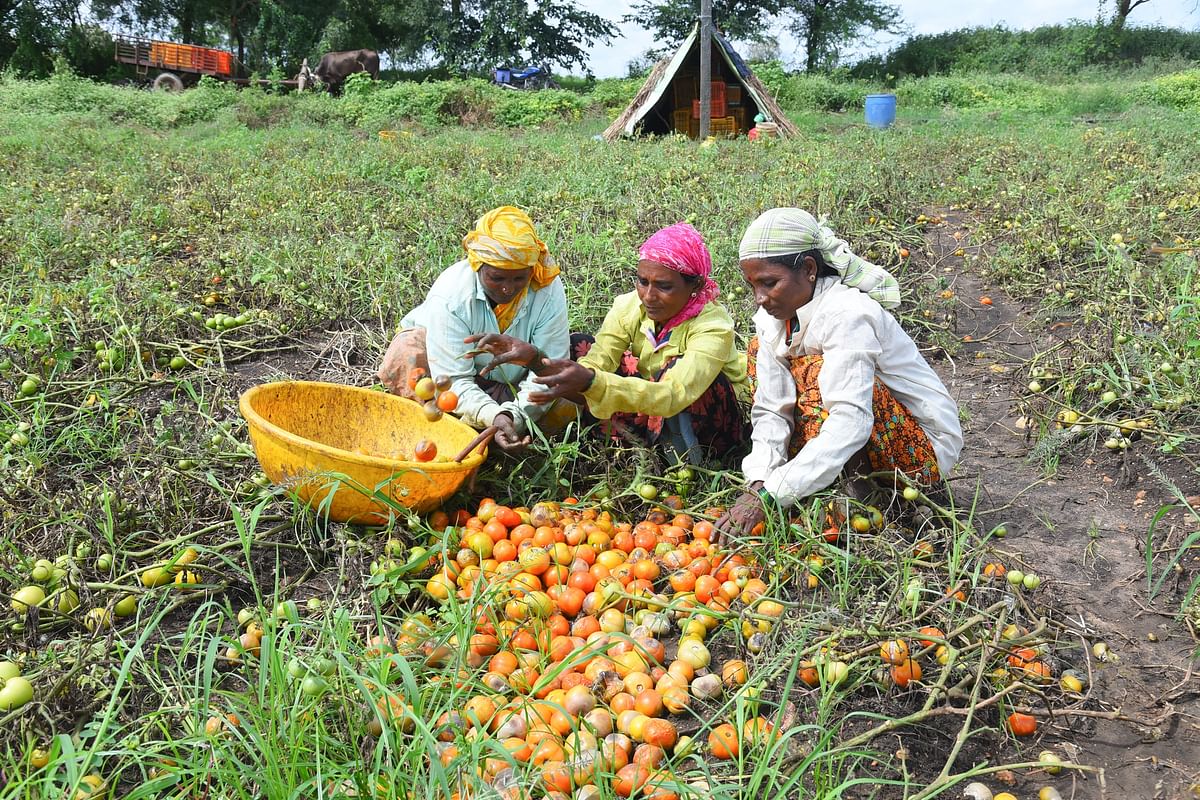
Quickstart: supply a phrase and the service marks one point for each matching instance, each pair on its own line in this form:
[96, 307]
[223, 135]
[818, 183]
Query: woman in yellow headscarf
[508, 283]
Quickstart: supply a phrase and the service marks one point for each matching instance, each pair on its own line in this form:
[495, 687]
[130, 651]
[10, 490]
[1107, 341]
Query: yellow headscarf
[504, 238]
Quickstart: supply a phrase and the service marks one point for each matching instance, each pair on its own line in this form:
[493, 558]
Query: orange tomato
[520, 534]
[630, 779]
[504, 662]
[682, 580]
[894, 651]
[906, 671]
[930, 631]
[649, 702]
[1022, 724]
[723, 741]
[649, 754]
[504, 550]
[585, 626]
[706, 587]
[425, 450]
[519, 749]
[556, 777]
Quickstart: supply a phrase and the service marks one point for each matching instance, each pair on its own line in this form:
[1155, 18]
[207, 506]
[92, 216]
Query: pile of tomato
[572, 614]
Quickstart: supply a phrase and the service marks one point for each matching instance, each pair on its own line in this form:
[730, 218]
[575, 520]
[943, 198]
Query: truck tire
[168, 82]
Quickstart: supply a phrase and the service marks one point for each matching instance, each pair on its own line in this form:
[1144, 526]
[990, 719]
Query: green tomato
[29, 386]
[648, 491]
[911, 493]
[314, 686]
[68, 601]
[15, 693]
[126, 606]
[104, 562]
[296, 668]
[27, 596]
[8, 670]
[1031, 581]
[1015, 577]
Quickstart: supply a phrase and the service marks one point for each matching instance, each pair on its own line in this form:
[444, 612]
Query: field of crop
[173, 626]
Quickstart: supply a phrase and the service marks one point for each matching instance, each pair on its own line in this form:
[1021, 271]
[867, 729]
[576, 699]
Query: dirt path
[1081, 530]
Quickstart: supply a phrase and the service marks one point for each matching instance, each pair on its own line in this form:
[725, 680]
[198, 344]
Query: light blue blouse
[457, 307]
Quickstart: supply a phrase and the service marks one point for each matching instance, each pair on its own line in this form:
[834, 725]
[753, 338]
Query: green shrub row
[474, 102]
[1180, 90]
[1048, 52]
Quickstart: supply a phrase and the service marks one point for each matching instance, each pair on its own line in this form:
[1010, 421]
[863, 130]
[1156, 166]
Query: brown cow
[336, 67]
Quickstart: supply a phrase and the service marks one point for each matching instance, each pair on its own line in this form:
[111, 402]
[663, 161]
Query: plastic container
[718, 101]
[723, 126]
[682, 119]
[345, 451]
[767, 130]
[718, 106]
[880, 110]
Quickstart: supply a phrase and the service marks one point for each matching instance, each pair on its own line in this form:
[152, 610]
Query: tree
[186, 20]
[1123, 10]
[479, 34]
[672, 20]
[33, 32]
[826, 26]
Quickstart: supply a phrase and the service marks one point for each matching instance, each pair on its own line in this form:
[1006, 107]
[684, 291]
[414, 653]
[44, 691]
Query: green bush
[975, 91]
[530, 109]
[614, 92]
[65, 93]
[1180, 90]
[820, 93]
[776, 79]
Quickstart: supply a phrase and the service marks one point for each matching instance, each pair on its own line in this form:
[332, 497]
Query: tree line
[458, 37]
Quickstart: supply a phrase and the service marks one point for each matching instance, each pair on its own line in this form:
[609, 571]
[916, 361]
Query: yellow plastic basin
[335, 446]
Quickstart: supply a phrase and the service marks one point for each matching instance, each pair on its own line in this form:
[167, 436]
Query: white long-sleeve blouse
[859, 340]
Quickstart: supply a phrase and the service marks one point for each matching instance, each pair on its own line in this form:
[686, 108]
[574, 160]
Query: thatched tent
[666, 101]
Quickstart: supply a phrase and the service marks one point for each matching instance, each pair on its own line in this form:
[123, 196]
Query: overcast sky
[920, 16]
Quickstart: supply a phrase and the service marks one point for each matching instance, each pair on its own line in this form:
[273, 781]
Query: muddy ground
[1084, 530]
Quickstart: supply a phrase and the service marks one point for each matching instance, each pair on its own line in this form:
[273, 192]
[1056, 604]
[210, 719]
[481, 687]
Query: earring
[694, 294]
[812, 278]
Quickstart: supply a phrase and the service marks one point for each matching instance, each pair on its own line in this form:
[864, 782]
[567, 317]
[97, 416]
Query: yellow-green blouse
[704, 346]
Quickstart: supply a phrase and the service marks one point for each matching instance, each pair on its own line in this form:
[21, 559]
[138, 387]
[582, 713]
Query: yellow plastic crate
[723, 126]
[682, 117]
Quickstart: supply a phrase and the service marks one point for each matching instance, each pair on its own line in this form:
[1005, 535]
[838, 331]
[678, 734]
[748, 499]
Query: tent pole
[706, 29]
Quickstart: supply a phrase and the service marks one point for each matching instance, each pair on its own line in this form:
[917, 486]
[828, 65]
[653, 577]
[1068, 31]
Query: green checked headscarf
[787, 231]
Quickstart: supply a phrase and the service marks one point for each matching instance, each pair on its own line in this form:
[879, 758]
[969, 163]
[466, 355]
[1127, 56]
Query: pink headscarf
[681, 247]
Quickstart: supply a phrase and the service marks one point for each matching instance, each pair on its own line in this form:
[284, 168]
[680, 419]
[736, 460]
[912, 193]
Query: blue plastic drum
[880, 110]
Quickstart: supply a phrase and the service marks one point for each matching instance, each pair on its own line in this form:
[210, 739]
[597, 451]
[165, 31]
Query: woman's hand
[746, 513]
[507, 438]
[504, 349]
[562, 378]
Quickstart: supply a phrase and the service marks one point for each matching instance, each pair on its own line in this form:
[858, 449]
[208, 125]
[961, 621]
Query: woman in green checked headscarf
[841, 388]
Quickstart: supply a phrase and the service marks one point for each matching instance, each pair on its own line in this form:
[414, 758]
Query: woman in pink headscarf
[664, 367]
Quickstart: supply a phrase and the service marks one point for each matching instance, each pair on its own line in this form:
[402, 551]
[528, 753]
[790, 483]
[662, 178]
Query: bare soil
[1083, 529]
